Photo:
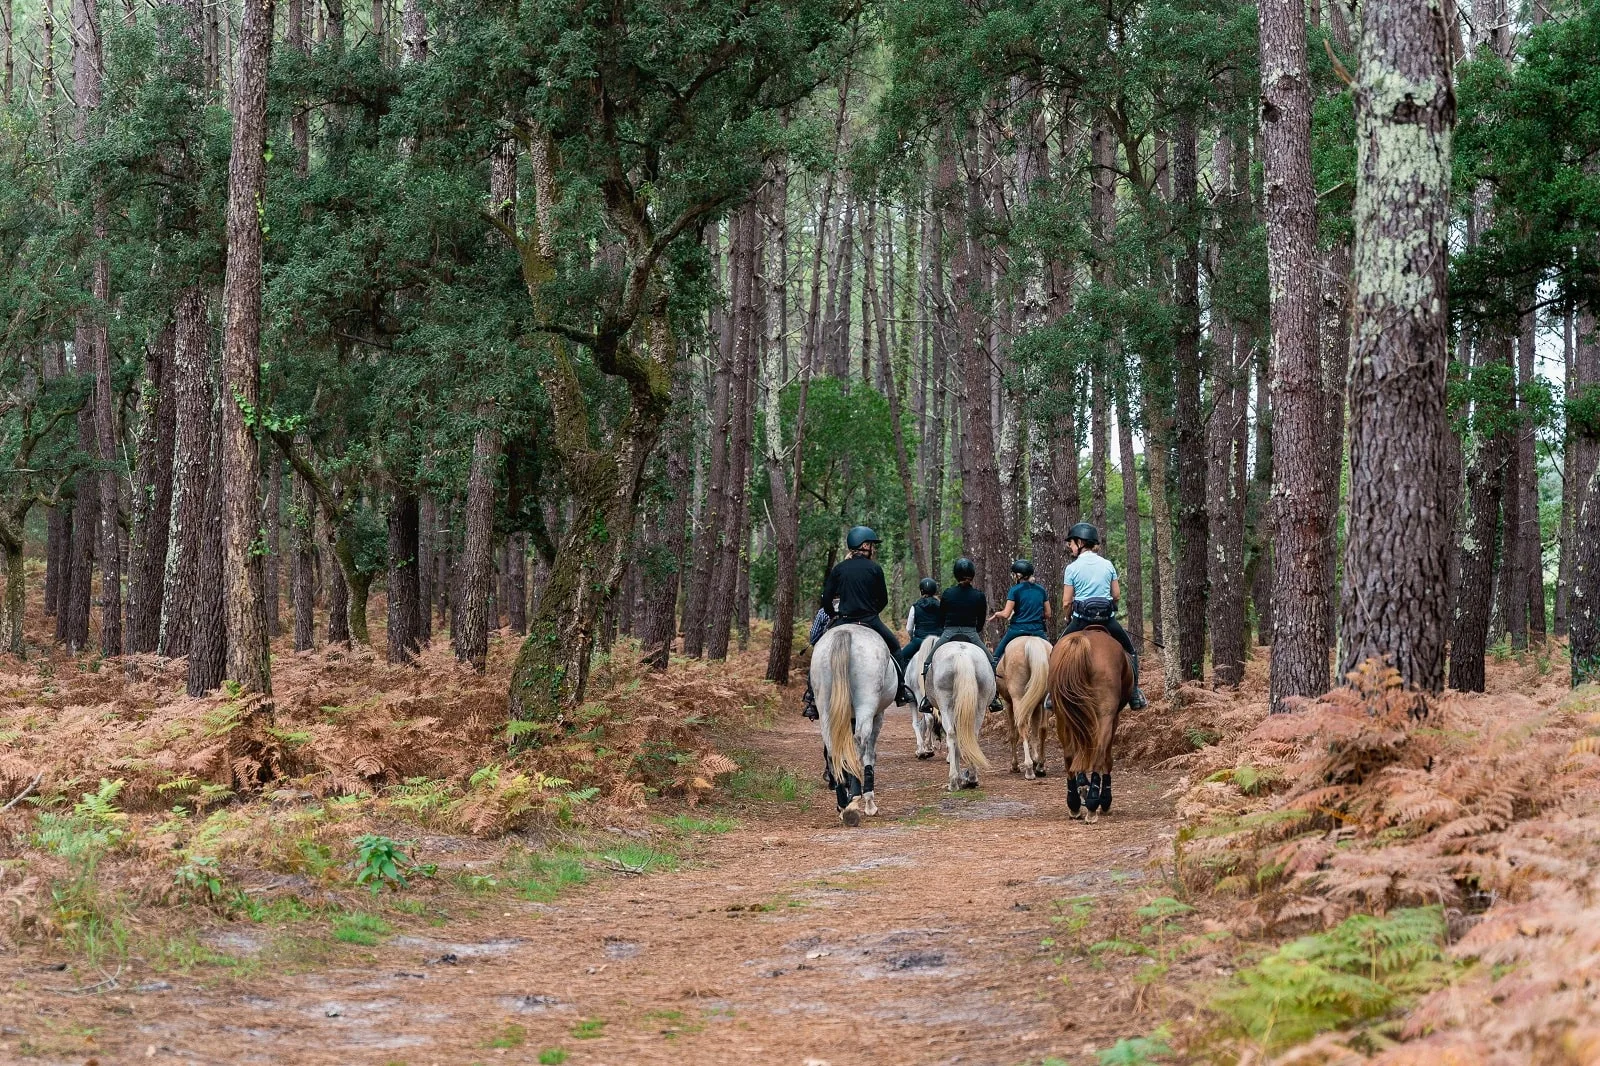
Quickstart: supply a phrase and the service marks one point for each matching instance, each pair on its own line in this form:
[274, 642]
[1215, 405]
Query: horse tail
[1077, 697]
[968, 711]
[1038, 661]
[841, 712]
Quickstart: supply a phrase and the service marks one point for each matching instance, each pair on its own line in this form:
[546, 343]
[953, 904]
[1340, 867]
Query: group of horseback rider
[855, 593]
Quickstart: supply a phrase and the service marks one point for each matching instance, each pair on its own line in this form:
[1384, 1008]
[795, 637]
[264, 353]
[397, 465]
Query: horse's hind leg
[1091, 799]
[1074, 801]
[1105, 792]
[850, 805]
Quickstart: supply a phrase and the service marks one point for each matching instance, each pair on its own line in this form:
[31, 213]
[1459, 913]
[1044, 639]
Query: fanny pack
[1098, 609]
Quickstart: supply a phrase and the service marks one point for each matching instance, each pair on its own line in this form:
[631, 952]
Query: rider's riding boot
[1136, 702]
[995, 706]
[808, 704]
[902, 695]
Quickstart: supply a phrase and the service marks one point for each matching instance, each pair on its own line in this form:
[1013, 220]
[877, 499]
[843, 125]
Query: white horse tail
[841, 712]
[968, 712]
[1038, 660]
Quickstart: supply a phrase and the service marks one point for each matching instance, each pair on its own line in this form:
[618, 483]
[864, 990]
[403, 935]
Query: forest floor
[945, 930]
[372, 875]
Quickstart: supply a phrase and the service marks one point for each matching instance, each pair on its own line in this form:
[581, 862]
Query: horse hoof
[1016, 769]
[1038, 770]
[924, 754]
[1091, 816]
[850, 817]
[869, 803]
[1076, 816]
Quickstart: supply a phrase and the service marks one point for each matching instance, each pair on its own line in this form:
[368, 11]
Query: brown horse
[1090, 681]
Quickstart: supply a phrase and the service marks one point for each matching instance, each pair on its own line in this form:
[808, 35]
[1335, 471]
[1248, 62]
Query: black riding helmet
[1085, 532]
[928, 586]
[860, 535]
[1022, 568]
[965, 570]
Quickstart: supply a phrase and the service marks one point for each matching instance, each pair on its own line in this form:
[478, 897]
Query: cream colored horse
[1024, 681]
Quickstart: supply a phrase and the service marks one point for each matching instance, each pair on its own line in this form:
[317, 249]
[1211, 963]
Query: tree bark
[303, 519]
[403, 642]
[1132, 568]
[272, 519]
[1489, 450]
[1396, 569]
[248, 651]
[208, 626]
[427, 566]
[714, 506]
[1192, 552]
[1530, 538]
[85, 534]
[745, 239]
[516, 584]
[1261, 567]
[152, 498]
[1299, 497]
[194, 400]
[471, 635]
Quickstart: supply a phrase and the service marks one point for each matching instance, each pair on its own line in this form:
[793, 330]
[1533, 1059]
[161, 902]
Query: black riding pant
[910, 650]
[1110, 625]
[963, 634]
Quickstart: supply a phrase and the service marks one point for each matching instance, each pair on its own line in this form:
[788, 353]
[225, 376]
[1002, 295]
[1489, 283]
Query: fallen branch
[25, 790]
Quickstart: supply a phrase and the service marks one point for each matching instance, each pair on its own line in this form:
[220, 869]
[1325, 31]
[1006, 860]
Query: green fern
[1362, 969]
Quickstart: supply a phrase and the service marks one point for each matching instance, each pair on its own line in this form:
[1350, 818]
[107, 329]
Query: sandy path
[919, 938]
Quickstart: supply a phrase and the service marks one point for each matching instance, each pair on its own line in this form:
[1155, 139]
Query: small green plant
[541, 877]
[200, 877]
[379, 862]
[367, 930]
[552, 1056]
[589, 1029]
[1361, 969]
[640, 859]
[1138, 1050]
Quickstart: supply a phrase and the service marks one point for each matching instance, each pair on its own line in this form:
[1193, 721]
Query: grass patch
[552, 1056]
[589, 1029]
[767, 784]
[542, 877]
[688, 825]
[366, 930]
[511, 1036]
[640, 858]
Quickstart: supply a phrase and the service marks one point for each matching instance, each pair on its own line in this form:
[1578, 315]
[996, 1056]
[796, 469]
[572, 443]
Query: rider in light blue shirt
[1090, 591]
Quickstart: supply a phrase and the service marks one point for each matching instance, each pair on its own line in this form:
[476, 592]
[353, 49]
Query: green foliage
[552, 1056]
[380, 861]
[1137, 1051]
[1363, 968]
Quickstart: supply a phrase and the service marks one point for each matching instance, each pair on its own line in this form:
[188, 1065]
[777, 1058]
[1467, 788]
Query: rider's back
[963, 607]
[858, 586]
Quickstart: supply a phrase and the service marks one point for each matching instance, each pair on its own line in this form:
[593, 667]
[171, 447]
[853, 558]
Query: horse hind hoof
[924, 754]
[850, 817]
[1039, 770]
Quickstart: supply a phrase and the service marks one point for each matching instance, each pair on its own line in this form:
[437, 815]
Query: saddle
[963, 638]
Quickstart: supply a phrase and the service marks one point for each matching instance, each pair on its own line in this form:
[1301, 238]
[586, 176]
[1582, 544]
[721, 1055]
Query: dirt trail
[922, 937]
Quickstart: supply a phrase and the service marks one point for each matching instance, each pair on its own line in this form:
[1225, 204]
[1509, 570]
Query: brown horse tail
[1038, 660]
[968, 712]
[1077, 697]
[841, 712]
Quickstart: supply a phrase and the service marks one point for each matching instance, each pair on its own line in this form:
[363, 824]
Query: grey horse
[854, 680]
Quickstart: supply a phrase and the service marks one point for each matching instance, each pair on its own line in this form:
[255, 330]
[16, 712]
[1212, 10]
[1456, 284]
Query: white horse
[853, 679]
[961, 684]
[926, 727]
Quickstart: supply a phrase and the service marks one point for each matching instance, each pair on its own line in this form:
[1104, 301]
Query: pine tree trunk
[85, 535]
[427, 566]
[1336, 368]
[517, 582]
[58, 560]
[272, 518]
[248, 651]
[338, 594]
[303, 527]
[714, 507]
[745, 238]
[152, 498]
[1584, 447]
[1486, 479]
[1261, 567]
[1132, 567]
[1530, 538]
[1193, 552]
[1299, 498]
[403, 643]
[208, 626]
[1396, 569]
[1225, 511]
[193, 398]
[1586, 588]
[477, 553]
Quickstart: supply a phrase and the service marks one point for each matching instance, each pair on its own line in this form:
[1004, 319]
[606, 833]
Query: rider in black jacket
[854, 594]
